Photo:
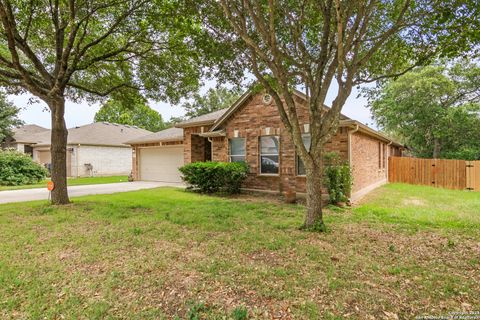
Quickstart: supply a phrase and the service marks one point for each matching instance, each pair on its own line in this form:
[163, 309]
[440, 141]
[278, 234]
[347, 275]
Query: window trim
[230, 155]
[297, 158]
[260, 154]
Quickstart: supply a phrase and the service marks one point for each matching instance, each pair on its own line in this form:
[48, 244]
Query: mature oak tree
[214, 99]
[435, 110]
[332, 45]
[86, 49]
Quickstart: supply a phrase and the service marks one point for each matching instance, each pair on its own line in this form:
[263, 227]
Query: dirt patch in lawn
[414, 202]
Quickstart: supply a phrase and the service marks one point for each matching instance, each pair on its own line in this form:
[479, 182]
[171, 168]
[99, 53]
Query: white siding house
[95, 149]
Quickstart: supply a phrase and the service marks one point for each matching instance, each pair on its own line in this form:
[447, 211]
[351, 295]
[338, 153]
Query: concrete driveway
[77, 191]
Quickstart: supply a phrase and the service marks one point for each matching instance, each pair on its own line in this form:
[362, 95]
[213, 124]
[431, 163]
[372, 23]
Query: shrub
[18, 169]
[464, 153]
[338, 178]
[210, 177]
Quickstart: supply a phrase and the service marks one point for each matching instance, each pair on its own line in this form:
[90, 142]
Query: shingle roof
[208, 118]
[176, 133]
[98, 133]
[171, 134]
[27, 132]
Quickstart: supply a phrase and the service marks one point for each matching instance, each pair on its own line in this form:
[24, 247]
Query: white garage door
[161, 164]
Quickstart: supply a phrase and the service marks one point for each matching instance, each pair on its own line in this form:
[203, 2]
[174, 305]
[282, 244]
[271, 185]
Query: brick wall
[220, 149]
[369, 161]
[256, 119]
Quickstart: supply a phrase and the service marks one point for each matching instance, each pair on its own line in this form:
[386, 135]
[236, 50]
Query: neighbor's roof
[170, 134]
[205, 119]
[27, 133]
[98, 134]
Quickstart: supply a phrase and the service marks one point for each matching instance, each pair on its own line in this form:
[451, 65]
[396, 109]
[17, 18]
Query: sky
[78, 114]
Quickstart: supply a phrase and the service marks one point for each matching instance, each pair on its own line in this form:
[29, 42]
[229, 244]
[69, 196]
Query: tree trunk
[436, 148]
[314, 216]
[59, 151]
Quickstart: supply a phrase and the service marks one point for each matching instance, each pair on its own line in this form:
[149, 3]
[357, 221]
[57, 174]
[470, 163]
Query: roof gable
[237, 105]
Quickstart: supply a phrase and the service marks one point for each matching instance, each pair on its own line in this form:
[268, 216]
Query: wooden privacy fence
[441, 173]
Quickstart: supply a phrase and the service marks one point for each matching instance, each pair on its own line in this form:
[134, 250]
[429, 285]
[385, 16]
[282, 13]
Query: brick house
[251, 130]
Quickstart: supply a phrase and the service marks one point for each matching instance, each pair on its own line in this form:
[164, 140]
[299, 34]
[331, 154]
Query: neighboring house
[95, 149]
[21, 139]
[251, 130]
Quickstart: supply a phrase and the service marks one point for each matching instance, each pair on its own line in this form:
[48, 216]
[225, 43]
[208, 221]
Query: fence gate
[473, 175]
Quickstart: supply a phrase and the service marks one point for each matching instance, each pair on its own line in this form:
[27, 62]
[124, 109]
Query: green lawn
[71, 182]
[418, 207]
[166, 253]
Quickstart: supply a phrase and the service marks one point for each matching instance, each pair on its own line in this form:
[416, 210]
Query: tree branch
[102, 93]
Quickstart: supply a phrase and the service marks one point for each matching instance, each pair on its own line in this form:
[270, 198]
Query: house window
[300, 166]
[236, 149]
[269, 160]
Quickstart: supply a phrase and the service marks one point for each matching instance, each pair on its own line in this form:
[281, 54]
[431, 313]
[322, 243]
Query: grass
[166, 253]
[71, 182]
[418, 207]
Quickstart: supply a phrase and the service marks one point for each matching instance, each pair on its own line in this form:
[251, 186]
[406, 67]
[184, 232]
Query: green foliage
[434, 110]
[18, 169]
[338, 178]
[8, 117]
[458, 27]
[239, 313]
[172, 121]
[195, 311]
[212, 100]
[469, 153]
[117, 48]
[137, 114]
[93, 50]
[210, 177]
[447, 28]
